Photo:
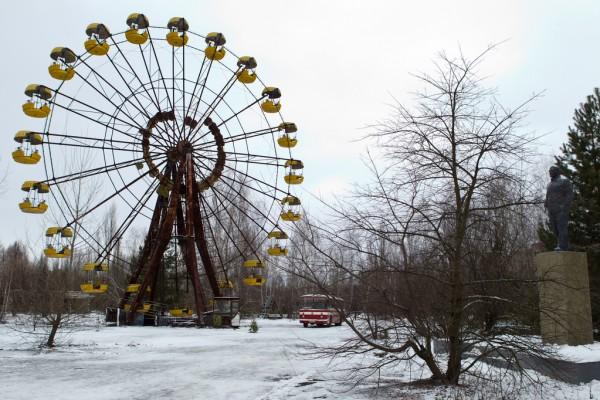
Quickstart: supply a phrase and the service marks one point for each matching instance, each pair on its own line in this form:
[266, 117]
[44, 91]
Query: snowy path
[172, 363]
[186, 363]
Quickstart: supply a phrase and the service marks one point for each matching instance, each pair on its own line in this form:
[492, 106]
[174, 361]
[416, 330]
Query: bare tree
[51, 296]
[437, 247]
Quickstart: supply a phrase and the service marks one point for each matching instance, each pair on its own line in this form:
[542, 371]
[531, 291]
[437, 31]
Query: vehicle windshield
[319, 304]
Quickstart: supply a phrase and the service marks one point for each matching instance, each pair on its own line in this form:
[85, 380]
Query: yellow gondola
[96, 282]
[294, 175]
[277, 245]
[94, 287]
[57, 243]
[141, 309]
[225, 284]
[181, 312]
[27, 206]
[60, 73]
[40, 187]
[62, 68]
[31, 110]
[34, 203]
[272, 104]
[214, 49]
[145, 307]
[137, 22]
[255, 280]
[95, 267]
[291, 213]
[177, 36]
[28, 137]
[96, 43]
[288, 137]
[253, 264]
[51, 252]
[37, 106]
[26, 153]
[276, 250]
[135, 287]
[20, 156]
[64, 54]
[254, 277]
[247, 74]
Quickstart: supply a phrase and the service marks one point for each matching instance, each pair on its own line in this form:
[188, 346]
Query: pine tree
[580, 163]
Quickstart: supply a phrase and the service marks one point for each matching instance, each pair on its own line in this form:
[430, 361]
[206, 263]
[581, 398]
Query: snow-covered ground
[277, 362]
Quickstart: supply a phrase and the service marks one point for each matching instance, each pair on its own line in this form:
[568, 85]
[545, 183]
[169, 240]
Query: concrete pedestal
[565, 309]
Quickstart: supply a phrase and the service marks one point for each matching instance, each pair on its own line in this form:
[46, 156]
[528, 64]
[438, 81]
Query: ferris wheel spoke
[141, 109]
[238, 137]
[247, 161]
[202, 87]
[240, 209]
[174, 82]
[56, 180]
[232, 220]
[183, 91]
[238, 192]
[103, 92]
[94, 140]
[217, 194]
[137, 77]
[127, 99]
[216, 101]
[133, 124]
[95, 110]
[254, 179]
[104, 124]
[91, 237]
[162, 77]
[88, 146]
[150, 79]
[128, 221]
[235, 114]
[117, 192]
[214, 239]
[227, 231]
[249, 156]
[258, 191]
[192, 95]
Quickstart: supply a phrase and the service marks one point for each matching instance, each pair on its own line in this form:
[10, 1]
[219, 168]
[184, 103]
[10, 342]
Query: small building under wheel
[225, 313]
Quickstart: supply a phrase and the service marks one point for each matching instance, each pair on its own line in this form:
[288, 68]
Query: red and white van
[317, 309]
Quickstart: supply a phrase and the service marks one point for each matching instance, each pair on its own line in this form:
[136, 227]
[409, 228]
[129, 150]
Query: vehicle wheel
[338, 323]
[305, 324]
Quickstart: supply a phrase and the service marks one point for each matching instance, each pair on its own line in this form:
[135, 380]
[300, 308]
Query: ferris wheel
[181, 133]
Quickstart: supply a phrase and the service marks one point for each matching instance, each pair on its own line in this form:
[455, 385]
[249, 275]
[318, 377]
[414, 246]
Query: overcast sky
[339, 65]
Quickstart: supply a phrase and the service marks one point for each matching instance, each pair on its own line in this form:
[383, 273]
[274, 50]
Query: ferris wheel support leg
[143, 261]
[201, 244]
[162, 241]
[180, 235]
[190, 253]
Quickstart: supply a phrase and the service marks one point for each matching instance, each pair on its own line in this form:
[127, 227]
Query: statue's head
[554, 172]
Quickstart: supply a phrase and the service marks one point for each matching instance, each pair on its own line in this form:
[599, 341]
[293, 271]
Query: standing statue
[559, 195]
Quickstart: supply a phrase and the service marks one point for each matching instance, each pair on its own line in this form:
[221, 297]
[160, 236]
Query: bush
[253, 327]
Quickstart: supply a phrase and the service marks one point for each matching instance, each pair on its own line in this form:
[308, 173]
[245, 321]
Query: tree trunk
[55, 325]
[454, 326]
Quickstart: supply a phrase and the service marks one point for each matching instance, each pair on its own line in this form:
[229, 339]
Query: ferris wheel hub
[180, 151]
